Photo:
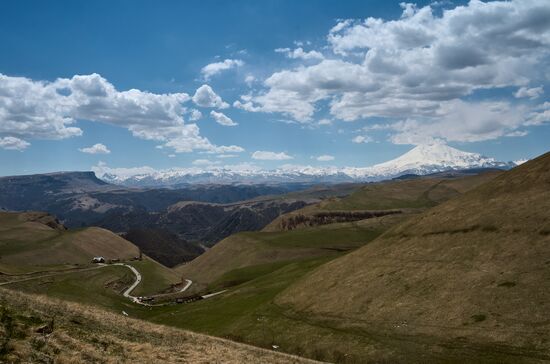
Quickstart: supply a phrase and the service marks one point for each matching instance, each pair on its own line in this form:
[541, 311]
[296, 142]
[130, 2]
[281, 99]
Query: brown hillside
[36, 329]
[472, 274]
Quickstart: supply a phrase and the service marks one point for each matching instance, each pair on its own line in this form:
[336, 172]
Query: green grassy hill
[271, 249]
[468, 280]
[34, 243]
[28, 243]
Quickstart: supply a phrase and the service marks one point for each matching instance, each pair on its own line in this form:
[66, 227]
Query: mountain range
[421, 160]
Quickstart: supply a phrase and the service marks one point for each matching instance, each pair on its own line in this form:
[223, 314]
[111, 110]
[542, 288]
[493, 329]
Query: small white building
[98, 260]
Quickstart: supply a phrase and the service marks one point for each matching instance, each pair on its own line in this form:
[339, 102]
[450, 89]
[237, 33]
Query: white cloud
[217, 67]
[13, 143]
[271, 156]
[171, 156]
[195, 115]
[419, 67]
[299, 53]
[204, 162]
[96, 149]
[540, 114]
[223, 156]
[222, 119]
[325, 122]
[531, 93]
[325, 158]
[47, 110]
[206, 97]
[249, 80]
[462, 122]
[362, 139]
[517, 133]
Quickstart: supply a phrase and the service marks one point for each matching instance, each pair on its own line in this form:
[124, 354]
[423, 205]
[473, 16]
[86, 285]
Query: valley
[260, 277]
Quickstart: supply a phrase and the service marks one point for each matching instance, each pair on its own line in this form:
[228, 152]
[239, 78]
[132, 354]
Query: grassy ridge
[414, 195]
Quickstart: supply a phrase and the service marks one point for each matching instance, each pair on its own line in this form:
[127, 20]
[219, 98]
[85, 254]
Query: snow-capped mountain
[431, 158]
[422, 159]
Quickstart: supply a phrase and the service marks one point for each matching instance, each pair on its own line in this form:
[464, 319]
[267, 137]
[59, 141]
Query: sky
[168, 84]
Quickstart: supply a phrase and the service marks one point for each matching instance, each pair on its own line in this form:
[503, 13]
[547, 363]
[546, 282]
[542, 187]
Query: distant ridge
[421, 160]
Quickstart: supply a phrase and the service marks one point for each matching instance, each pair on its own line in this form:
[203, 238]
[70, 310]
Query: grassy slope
[247, 313]
[33, 247]
[273, 245]
[416, 194]
[469, 278]
[102, 287]
[155, 276]
[82, 335]
[36, 246]
[264, 248]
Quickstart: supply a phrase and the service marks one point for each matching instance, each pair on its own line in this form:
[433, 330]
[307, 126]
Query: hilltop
[36, 239]
[465, 279]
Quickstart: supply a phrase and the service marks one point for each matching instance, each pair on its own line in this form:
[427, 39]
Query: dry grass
[83, 334]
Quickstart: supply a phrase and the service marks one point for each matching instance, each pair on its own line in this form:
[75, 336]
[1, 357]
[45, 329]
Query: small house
[96, 260]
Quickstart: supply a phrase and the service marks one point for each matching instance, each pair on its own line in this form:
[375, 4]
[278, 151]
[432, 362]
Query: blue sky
[307, 82]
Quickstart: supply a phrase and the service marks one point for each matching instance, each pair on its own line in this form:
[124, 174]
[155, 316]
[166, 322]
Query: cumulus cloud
[361, 139]
[299, 53]
[206, 97]
[222, 119]
[271, 156]
[214, 68]
[325, 158]
[419, 67]
[13, 143]
[48, 110]
[195, 115]
[96, 149]
[531, 93]
[462, 122]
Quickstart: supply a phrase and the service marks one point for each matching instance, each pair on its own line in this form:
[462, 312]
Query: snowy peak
[422, 159]
[431, 158]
